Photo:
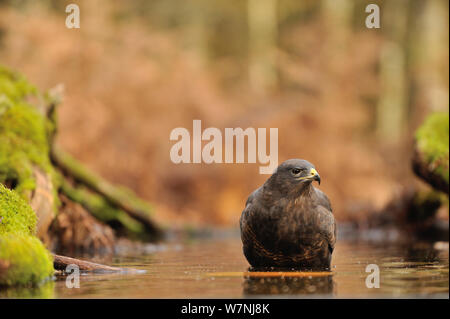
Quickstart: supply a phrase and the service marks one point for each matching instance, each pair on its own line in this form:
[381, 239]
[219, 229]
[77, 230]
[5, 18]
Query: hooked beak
[314, 175]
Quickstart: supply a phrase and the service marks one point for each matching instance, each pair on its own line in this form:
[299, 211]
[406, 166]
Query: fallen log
[120, 197]
[61, 263]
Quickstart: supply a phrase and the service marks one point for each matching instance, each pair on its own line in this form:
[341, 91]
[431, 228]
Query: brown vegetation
[127, 85]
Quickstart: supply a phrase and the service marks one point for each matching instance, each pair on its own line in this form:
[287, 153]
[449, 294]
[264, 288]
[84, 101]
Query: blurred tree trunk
[197, 30]
[431, 58]
[338, 16]
[392, 104]
[262, 26]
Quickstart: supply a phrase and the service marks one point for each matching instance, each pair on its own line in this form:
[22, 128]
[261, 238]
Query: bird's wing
[327, 226]
[322, 199]
[248, 236]
[245, 212]
[248, 207]
[251, 197]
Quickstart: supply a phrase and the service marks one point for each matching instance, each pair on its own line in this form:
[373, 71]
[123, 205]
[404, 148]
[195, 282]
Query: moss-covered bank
[431, 160]
[23, 133]
[432, 140]
[34, 167]
[33, 176]
[23, 258]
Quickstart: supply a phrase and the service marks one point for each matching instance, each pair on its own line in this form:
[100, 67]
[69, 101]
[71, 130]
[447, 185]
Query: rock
[23, 260]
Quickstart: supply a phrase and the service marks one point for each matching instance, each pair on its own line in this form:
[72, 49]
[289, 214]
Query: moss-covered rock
[432, 140]
[431, 161]
[23, 260]
[14, 87]
[23, 134]
[16, 216]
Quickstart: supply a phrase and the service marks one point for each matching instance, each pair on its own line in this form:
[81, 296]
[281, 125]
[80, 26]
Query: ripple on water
[217, 269]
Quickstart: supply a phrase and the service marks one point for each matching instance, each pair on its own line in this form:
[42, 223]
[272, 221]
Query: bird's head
[294, 175]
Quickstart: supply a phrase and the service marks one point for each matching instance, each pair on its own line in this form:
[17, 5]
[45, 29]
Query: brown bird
[288, 223]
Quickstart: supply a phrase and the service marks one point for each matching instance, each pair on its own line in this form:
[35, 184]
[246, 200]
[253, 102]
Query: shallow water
[216, 268]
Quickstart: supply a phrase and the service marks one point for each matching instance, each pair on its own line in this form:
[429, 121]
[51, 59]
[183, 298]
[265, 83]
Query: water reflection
[43, 291]
[217, 269]
[288, 284]
[418, 269]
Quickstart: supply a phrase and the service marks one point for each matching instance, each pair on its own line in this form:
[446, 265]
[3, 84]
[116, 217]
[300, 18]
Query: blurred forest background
[344, 97]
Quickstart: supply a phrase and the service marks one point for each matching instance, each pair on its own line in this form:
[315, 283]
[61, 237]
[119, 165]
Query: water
[216, 268]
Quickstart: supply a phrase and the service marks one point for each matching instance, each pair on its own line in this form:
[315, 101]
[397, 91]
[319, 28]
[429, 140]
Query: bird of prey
[287, 222]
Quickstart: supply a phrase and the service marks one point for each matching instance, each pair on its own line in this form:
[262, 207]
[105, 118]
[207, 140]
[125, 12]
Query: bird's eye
[296, 171]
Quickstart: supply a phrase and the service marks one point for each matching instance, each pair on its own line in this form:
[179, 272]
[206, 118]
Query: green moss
[23, 135]
[433, 141]
[16, 216]
[13, 86]
[44, 291]
[23, 260]
[24, 145]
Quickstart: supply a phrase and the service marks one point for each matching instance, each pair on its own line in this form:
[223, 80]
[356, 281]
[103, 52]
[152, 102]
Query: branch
[61, 262]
